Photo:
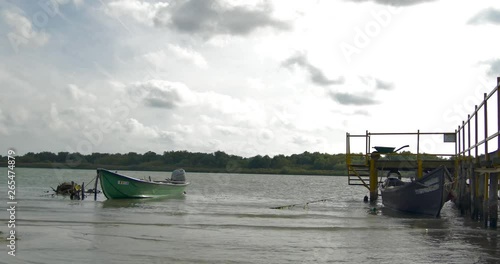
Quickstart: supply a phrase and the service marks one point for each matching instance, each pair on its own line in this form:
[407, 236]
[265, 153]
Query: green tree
[279, 161]
[149, 156]
[221, 159]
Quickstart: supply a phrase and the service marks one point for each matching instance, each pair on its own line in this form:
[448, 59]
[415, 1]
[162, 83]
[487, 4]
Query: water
[226, 218]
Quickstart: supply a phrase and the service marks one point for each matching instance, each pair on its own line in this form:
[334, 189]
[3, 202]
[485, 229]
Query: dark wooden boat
[426, 195]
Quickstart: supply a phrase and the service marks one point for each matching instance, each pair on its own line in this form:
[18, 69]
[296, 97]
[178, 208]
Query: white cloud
[486, 16]
[54, 121]
[174, 95]
[133, 126]
[209, 79]
[266, 135]
[78, 94]
[149, 133]
[247, 112]
[78, 3]
[208, 18]
[23, 33]
[141, 11]
[3, 124]
[316, 75]
[160, 57]
[229, 130]
[305, 140]
[188, 55]
[161, 94]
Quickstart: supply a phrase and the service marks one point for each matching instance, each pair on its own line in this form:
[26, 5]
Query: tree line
[306, 163]
[219, 161]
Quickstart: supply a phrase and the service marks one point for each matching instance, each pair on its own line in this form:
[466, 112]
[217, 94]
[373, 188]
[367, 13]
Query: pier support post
[485, 200]
[373, 181]
[463, 187]
[480, 196]
[465, 202]
[474, 195]
[493, 200]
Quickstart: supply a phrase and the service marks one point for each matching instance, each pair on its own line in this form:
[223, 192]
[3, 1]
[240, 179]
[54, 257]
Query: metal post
[480, 197]
[367, 143]
[456, 176]
[494, 177]
[470, 173]
[477, 178]
[486, 154]
[463, 137]
[418, 143]
[419, 159]
[348, 149]
[477, 198]
[493, 201]
[83, 191]
[461, 176]
[465, 171]
[498, 116]
[476, 135]
[468, 135]
[95, 186]
[373, 181]
[485, 201]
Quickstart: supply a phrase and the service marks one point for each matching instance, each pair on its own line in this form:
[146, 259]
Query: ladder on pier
[359, 174]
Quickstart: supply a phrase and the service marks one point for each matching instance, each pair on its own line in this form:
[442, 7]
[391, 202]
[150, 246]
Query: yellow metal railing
[464, 130]
[367, 160]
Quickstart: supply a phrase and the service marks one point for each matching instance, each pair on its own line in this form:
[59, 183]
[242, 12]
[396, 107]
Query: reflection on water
[142, 203]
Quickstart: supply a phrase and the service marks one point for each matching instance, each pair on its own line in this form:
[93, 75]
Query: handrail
[486, 98]
[487, 137]
[369, 134]
[461, 135]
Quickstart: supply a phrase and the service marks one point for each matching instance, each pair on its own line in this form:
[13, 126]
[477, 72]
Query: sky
[244, 77]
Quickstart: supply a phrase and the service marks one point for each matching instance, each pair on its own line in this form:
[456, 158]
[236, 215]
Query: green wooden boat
[118, 186]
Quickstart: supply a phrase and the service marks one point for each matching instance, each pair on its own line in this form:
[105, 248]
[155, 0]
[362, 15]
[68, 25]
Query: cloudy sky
[244, 77]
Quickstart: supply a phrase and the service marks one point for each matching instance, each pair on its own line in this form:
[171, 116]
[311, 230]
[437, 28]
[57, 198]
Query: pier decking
[475, 161]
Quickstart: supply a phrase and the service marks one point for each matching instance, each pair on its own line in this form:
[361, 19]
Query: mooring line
[93, 179]
[304, 204]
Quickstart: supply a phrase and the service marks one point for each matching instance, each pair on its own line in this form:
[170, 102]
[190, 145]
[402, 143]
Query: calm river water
[226, 218]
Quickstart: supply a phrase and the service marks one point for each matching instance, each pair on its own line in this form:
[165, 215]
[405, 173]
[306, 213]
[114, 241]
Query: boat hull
[424, 196]
[118, 186]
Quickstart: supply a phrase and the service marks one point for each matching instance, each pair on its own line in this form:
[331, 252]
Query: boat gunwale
[412, 183]
[144, 181]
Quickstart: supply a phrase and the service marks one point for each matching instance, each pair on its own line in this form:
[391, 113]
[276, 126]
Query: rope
[302, 204]
[91, 181]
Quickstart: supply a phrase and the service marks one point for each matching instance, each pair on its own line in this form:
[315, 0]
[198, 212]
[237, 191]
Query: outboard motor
[178, 176]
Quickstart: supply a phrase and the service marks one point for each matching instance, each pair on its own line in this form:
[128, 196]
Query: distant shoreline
[86, 166]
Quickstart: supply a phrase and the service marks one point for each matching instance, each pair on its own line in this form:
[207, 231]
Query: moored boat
[119, 186]
[426, 195]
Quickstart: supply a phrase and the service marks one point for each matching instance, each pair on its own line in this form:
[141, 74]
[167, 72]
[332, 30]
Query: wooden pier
[475, 161]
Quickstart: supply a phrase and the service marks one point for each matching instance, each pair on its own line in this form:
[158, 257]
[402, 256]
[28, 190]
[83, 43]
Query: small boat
[426, 195]
[118, 186]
